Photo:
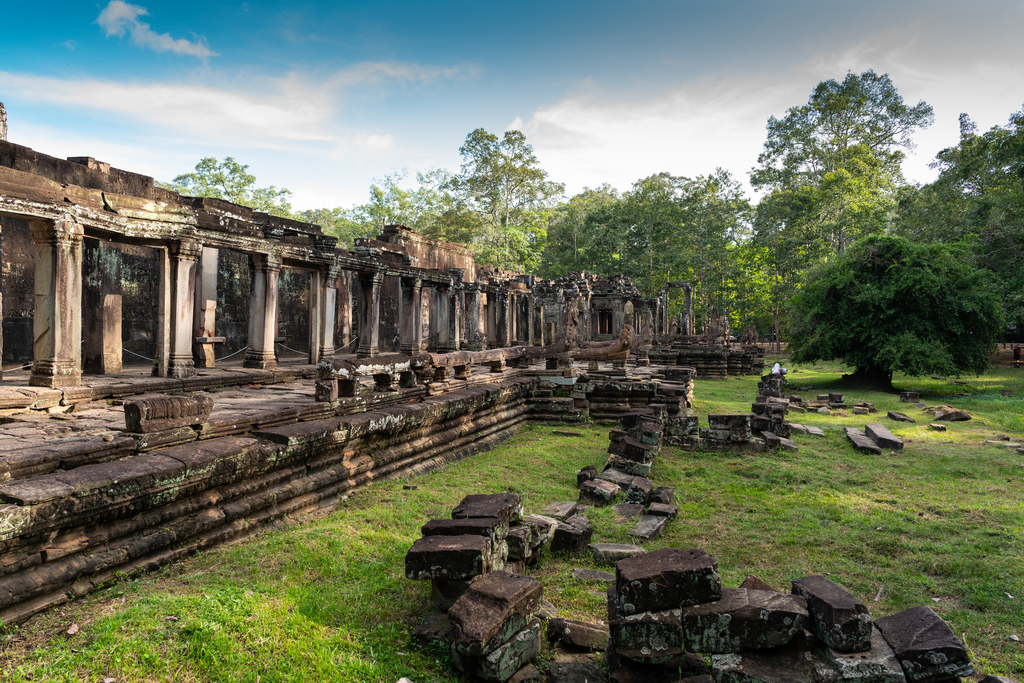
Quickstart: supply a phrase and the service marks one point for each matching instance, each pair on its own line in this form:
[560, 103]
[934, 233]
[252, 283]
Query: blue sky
[323, 97]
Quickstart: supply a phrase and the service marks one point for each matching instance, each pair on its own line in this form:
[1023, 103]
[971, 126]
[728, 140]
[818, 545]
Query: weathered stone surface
[665, 579]
[145, 414]
[754, 583]
[776, 442]
[937, 427]
[926, 647]
[743, 620]
[506, 659]
[952, 416]
[448, 557]
[573, 534]
[899, 417]
[878, 664]
[633, 449]
[562, 510]
[662, 510]
[649, 526]
[617, 477]
[543, 529]
[578, 634]
[611, 553]
[840, 620]
[528, 674]
[446, 592]
[647, 636]
[628, 510]
[682, 669]
[519, 541]
[586, 474]
[599, 492]
[492, 527]
[909, 397]
[997, 679]
[815, 431]
[663, 494]
[861, 442]
[507, 507]
[575, 672]
[492, 610]
[881, 435]
[593, 575]
[791, 663]
[639, 490]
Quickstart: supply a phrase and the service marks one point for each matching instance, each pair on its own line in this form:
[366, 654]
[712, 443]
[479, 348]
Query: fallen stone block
[561, 510]
[662, 510]
[952, 415]
[579, 634]
[492, 527]
[650, 636]
[507, 507]
[448, 557]
[586, 474]
[435, 631]
[899, 417]
[649, 526]
[775, 442]
[574, 672]
[815, 431]
[628, 510]
[909, 397]
[633, 449]
[937, 427]
[861, 442]
[861, 410]
[791, 663]
[667, 578]
[501, 663]
[599, 492]
[881, 435]
[877, 664]
[685, 668]
[146, 414]
[926, 647]
[611, 553]
[663, 494]
[617, 477]
[639, 490]
[797, 428]
[446, 592]
[754, 583]
[573, 534]
[519, 541]
[543, 529]
[593, 575]
[492, 610]
[630, 467]
[840, 620]
[743, 620]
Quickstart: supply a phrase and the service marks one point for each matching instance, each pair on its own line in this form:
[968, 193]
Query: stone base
[54, 373]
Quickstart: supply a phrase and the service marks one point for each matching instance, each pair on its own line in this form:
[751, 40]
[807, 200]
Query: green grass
[327, 600]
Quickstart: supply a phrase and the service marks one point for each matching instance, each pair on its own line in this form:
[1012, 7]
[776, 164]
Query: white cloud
[119, 17]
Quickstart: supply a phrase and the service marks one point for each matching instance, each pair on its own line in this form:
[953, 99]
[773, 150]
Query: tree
[501, 180]
[890, 305]
[230, 180]
[570, 236]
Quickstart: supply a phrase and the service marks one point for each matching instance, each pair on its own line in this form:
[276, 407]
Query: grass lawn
[940, 523]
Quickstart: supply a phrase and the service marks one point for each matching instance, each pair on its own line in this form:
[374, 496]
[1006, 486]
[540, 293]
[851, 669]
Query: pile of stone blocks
[670, 603]
[486, 532]
[635, 445]
[494, 626]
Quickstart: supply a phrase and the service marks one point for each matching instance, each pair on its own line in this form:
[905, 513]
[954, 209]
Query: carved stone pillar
[183, 259]
[410, 319]
[205, 314]
[369, 314]
[101, 309]
[530, 339]
[688, 309]
[325, 312]
[455, 310]
[263, 312]
[58, 316]
[474, 340]
[440, 324]
[501, 318]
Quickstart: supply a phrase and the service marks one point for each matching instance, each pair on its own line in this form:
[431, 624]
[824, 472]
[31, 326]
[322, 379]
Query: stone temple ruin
[199, 371]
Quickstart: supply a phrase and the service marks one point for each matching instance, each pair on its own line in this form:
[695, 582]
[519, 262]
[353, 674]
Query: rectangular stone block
[543, 529]
[840, 620]
[649, 526]
[926, 647]
[492, 610]
[599, 492]
[505, 660]
[861, 442]
[448, 557]
[885, 439]
[877, 664]
[666, 579]
[639, 490]
[791, 663]
[572, 535]
[492, 527]
[649, 637]
[507, 507]
[743, 620]
[146, 414]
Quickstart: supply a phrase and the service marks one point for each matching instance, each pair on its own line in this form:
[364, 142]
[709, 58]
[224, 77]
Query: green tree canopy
[889, 305]
[231, 181]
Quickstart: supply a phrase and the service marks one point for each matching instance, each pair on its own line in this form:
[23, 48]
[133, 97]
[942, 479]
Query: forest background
[829, 175]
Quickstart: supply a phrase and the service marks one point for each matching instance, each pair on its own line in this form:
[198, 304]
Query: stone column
[369, 313]
[326, 312]
[58, 316]
[530, 341]
[474, 340]
[501, 318]
[410, 316]
[455, 310]
[316, 315]
[688, 308]
[101, 309]
[184, 259]
[344, 311]
[205, 321]
[263, 312]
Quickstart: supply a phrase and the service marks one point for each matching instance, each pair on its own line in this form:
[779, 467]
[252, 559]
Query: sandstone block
[611, 553]
[618, 477]
[519, 543]
[883, 437]
[665, 579]
[629, 510]
[861, 442]
[952, 416]
[899, 417]
[599, 492]
[639, 490]
[649, 526]
[648, 636]
[507, 507]
[754, 583]
[878, 664]
[146, 414]
[662, 510]
[840, 620]
[543, 529]
[562, 510]
[573, 534]
[448, 557]
[492, 610]
[926, 647]
[578, 634]
[791, 663]
[501, 663]
[575, 672]
[743, 620]
[492, 527]
[586, 474]
[663, 494]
